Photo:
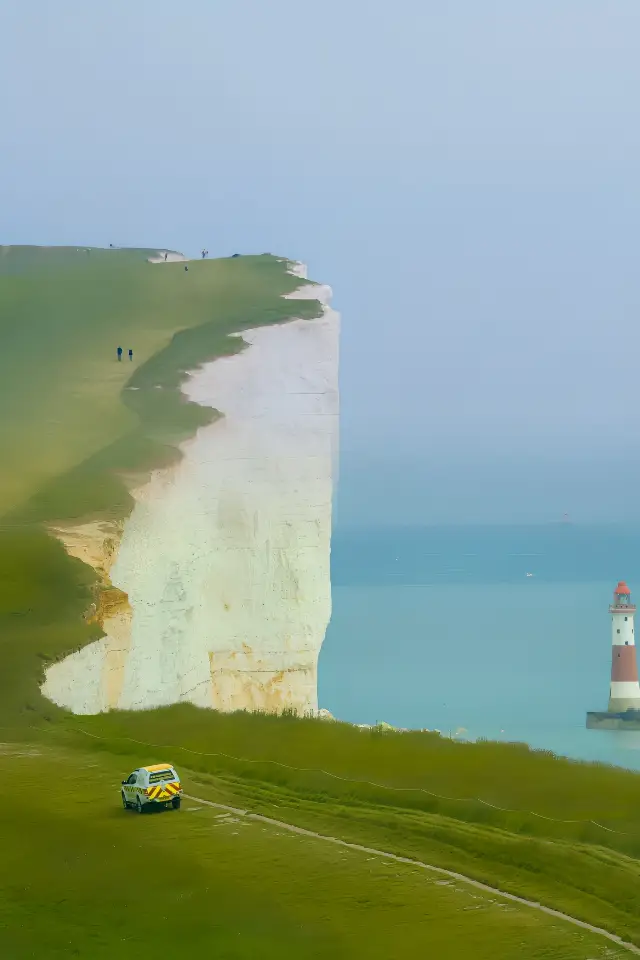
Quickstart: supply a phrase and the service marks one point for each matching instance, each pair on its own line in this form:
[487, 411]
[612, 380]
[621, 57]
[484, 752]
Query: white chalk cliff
[219, 582]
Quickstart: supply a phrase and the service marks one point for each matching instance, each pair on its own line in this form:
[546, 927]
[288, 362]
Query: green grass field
[84, 878]
[71, 430]
[369, 787]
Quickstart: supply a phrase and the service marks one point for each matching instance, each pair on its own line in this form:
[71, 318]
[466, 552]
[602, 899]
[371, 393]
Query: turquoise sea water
[441, 628]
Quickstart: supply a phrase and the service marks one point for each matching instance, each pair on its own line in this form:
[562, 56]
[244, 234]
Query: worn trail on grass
[425, 866]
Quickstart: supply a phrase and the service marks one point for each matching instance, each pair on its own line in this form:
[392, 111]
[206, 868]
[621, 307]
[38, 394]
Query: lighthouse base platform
[629, 720]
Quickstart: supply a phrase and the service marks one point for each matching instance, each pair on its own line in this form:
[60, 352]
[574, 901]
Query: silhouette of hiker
[203, 254]
[119, 353]
[130, 354]
[186, 268]
[166, 255]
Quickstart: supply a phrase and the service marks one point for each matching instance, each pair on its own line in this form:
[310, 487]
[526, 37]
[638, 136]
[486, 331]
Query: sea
[500, 632]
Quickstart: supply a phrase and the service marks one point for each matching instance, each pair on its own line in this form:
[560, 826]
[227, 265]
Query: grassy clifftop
[76, 422]
[71, 406]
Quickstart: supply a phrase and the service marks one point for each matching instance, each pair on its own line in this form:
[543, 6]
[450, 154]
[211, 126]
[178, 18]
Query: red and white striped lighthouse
[625, 691]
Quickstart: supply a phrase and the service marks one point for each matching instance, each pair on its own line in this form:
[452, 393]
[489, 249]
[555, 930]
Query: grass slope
[84, 878]
[417, 795]
[60, 380]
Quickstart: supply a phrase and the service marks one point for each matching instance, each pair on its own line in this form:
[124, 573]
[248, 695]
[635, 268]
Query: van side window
[132, 778]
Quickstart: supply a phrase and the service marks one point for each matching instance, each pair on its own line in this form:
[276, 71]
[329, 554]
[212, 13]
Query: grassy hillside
[84, 878]
[72, 406]
[563, 833]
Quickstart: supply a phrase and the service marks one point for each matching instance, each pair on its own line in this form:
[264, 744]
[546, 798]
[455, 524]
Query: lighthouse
[625, 691]
[623, 712]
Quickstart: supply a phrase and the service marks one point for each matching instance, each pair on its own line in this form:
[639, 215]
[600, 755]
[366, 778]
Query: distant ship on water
[566, 521]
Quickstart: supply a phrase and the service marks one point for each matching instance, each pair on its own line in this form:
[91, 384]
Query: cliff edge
[216, 589]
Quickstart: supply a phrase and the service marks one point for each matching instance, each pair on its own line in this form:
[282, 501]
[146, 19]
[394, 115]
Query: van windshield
[159, 775]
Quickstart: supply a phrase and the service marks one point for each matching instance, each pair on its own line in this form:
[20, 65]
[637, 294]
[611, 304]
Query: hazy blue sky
[465, 176]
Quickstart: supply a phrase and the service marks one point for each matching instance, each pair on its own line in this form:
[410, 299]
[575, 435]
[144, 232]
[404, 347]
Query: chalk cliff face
[217, 588]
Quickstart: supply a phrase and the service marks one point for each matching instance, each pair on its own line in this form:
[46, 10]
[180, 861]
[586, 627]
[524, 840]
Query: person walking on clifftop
[119, 353]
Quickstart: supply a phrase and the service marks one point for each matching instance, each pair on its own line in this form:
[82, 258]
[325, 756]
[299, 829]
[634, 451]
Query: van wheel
[125, 803]
[175, 803]
[138, 805]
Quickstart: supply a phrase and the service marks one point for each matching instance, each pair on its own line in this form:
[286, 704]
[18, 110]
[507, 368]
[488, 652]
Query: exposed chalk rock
[297, 269]
[220, 584]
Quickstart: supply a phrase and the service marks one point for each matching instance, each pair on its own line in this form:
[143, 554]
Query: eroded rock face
[222, 570]
[90, 681]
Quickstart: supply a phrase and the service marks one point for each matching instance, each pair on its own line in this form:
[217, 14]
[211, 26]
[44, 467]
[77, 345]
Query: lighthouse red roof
[622, 588]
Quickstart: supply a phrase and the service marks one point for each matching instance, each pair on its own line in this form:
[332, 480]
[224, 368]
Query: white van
[156, 785]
